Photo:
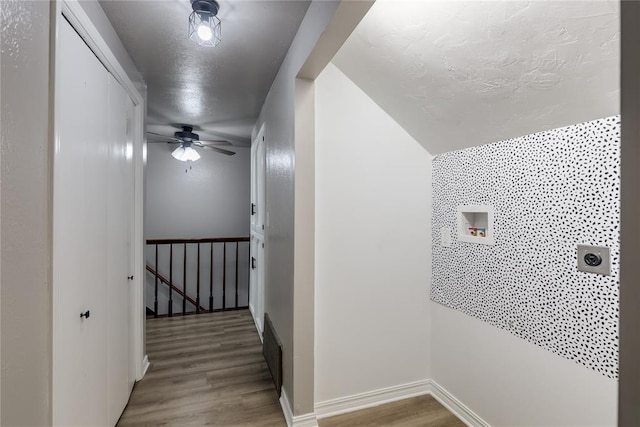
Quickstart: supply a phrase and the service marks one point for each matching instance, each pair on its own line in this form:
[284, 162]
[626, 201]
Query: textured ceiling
[220, 90]
[457, 74]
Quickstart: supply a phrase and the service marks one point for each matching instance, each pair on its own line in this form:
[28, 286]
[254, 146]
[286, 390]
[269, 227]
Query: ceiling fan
[187, 139]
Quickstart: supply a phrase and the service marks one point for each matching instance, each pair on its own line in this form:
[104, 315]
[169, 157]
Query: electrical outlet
[594, 259]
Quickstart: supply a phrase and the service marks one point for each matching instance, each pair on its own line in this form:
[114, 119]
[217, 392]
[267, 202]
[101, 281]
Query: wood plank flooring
[209, 370]
[414, 412]
[205, 370]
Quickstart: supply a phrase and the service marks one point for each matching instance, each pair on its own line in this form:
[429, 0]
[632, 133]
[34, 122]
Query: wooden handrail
[178, 290]
[206, 240]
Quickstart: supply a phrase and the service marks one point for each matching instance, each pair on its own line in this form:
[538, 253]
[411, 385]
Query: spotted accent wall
[550, 191]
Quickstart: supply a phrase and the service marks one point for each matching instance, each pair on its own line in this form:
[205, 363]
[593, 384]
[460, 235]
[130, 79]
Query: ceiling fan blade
[163, 142]
[164, 136]
[234, 140]
[218, 142]
[219, 150]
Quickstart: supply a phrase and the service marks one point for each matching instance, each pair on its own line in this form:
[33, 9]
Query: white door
[119, 215]
[92, 207]
[79, 236]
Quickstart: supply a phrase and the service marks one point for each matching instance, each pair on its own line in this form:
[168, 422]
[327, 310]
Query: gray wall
[278, 117]
[629, 393]
[25, 252]
[210, 200]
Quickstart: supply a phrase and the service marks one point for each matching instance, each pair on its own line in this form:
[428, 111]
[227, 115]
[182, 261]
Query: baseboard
[371, 398]
[286, 407]
[391, 394]
[145, 366]
[259, 327]
[456, 407]
[256, 321]
[307, 420]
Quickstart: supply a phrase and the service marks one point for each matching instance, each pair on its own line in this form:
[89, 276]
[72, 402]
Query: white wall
[373, 192]
[540, 188]
[25, 295]
[532, 341]
[508, 381]
[211, 200]
[373, 238]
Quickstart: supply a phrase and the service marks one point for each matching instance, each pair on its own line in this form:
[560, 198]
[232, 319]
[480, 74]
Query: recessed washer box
[476, 219]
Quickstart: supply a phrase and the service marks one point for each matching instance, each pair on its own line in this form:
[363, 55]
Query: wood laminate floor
[205, 369]
[209, 370]
[414, 412]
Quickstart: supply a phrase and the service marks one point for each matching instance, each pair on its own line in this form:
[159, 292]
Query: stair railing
[174, 288]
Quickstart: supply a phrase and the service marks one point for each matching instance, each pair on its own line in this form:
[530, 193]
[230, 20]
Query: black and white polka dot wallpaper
[550, 191]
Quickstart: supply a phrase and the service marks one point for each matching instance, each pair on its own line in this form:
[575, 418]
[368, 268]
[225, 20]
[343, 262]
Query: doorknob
[85, 315]
[130, 277]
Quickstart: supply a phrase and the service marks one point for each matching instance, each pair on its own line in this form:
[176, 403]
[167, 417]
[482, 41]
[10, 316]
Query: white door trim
[81, 22]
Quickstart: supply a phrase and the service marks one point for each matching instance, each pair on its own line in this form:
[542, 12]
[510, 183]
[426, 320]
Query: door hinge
[253, 263]
[253, 208]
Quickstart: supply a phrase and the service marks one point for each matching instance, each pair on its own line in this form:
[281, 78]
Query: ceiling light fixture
[185, 152]
[204, 25]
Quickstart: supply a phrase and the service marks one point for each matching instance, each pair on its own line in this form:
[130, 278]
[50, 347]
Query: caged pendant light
[204, 24]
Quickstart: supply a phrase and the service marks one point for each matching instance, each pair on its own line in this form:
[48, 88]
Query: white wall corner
[370, 399]
[455, 406]
[306, 420]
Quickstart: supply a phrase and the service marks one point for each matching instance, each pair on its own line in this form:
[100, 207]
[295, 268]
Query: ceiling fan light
[204, 25]
[185, 153]
[191, 154]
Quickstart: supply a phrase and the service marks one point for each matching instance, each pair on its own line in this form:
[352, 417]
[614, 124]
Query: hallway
[205, 370]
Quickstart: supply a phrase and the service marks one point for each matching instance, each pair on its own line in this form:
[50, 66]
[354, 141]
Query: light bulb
[191, 154]
[178, 153]
[185, 153]
[204, 32]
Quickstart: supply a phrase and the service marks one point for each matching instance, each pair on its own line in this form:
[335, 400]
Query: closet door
[119, 215]
[79, 235]
[92, 224]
